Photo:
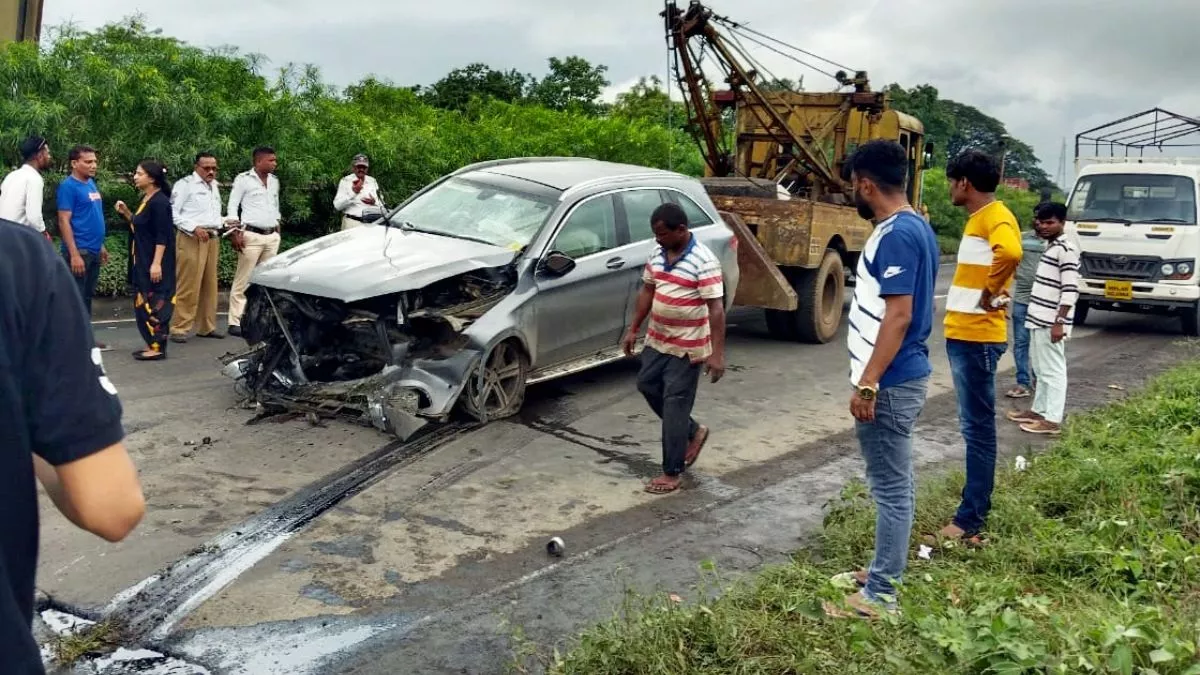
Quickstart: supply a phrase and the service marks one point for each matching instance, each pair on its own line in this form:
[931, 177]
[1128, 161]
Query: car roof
[563, 173]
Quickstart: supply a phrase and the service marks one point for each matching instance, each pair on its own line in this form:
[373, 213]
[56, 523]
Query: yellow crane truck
[775, 167]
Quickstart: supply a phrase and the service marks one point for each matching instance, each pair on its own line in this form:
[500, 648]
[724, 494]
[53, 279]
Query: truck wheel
[818, 314]
[1081, 313]
[1190, 321]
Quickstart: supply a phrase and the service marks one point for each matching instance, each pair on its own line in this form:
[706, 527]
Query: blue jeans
[1021, 343]
[974, 367]
[887, 449]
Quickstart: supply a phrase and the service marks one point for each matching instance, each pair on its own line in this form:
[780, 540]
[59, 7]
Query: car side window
[696, 216]
[639, 205]
[591, 228]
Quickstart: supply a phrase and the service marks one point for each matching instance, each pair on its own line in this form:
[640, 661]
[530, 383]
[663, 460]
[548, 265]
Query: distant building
[1016, 183]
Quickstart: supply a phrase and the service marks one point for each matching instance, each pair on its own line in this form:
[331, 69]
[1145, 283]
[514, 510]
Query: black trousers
[669, 384]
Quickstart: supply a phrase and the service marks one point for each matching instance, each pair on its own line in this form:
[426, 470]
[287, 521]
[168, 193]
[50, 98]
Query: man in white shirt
[356, 193]
[254, 203]
[196, 205]
[22, 191]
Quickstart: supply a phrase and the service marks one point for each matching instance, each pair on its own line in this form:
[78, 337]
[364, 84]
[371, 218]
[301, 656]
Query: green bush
[1093, 567]
[114, 275]
[134, 93]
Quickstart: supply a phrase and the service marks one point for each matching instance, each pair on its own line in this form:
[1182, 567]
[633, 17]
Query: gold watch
[867, 392]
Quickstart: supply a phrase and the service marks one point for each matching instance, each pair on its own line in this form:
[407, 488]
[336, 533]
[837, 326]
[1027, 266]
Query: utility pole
[20, 20]
[1061, 178]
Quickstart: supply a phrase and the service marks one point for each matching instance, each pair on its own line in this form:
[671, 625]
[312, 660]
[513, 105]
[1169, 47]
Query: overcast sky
[1046, 68]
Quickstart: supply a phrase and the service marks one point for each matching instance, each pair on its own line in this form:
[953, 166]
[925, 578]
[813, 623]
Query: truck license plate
[1118, 290]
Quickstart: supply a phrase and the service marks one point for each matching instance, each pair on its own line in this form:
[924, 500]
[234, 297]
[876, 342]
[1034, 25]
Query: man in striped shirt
[682, 294]
[891, 318]
[1051, 313]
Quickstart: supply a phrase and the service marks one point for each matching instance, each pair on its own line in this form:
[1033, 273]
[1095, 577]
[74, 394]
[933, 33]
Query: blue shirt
[901, 257]
[87, 212]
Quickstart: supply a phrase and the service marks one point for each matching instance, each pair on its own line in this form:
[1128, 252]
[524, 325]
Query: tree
[648, 100]
[455, 90]
[954, 127]
[572, 84]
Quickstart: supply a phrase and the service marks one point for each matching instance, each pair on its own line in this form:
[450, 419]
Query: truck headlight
[1168, 270]
[1184, 269]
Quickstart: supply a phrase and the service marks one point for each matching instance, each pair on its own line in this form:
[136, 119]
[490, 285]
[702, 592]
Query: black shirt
[55, 400]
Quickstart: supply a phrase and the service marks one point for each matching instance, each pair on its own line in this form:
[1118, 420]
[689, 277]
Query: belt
[215, 231]
[259, 230]
[358, 218]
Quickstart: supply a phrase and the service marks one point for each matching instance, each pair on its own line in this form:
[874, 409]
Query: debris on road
[1021, 463]
[556, 547]
[924, 552]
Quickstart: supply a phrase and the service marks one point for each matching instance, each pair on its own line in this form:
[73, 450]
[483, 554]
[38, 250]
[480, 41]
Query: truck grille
[1132, 267]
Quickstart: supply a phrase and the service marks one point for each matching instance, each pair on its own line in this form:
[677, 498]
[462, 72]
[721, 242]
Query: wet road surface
[283, 547]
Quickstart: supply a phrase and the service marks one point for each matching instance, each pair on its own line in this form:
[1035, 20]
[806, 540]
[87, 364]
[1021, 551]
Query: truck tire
[1189, 320]
[1081, 313]
[818, 314]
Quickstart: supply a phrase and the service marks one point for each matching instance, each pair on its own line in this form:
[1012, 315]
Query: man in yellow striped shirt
[977, 326]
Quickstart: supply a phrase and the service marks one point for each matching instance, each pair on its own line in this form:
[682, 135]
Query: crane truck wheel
[818, 314]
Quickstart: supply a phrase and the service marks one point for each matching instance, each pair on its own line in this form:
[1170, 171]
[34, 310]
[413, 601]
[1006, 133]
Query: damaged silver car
[499, 275]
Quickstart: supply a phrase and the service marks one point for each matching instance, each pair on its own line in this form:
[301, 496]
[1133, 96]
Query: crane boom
[796, 139]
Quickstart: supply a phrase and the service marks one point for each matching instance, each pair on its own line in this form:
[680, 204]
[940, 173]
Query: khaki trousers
[259, 248]
[195, 284]
[348, 222]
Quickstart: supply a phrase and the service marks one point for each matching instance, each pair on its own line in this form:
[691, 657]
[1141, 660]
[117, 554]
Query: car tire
[1081, 313]
[818, 314]
[1189, 321]
[502, 392]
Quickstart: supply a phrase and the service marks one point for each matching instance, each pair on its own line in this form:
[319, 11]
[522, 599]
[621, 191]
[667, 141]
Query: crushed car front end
[395, 361]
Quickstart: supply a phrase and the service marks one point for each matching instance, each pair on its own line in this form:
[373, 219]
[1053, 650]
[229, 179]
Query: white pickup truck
[1134, 222]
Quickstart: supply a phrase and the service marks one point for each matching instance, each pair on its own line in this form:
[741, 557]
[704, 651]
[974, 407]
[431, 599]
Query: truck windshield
[1134, 198]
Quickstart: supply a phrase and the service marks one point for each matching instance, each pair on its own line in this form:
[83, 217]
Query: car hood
[371, 260]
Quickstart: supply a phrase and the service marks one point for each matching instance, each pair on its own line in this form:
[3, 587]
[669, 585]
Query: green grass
[92, 641]
[1093, 568]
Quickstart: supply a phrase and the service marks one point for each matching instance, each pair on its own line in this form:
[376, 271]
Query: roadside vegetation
[132, 92]
[1093, 567]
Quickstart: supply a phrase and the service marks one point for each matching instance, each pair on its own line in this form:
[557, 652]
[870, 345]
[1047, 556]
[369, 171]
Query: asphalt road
[283, 547]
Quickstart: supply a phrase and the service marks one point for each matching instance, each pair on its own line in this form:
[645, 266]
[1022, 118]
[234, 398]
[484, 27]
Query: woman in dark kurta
[152, 258]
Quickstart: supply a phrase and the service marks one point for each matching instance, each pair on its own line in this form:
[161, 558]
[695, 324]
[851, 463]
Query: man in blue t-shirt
[81, 222]
[890, 321]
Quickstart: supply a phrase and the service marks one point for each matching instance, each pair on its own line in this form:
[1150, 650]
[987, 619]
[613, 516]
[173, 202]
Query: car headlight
[1183, 268]
[1168, 269]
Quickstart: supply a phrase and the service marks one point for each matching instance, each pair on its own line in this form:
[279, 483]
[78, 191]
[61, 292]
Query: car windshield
[1134, 198]
[476, 211]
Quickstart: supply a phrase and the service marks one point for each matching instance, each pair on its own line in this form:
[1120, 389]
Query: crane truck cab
[1134, 223]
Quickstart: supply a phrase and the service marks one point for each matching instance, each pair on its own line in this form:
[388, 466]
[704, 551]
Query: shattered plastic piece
[1021, 463]
[924, 552]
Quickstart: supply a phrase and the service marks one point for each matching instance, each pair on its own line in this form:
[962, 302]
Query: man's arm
[1005, 240]
[897, 317]
[33, 204]
[1068, 273]
[99, 493]
[235, 199]
[716, 327]
[641, 310]
[74, 416]
[344, 196]
[179, 197]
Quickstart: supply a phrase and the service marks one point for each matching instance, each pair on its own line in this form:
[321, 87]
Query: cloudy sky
[1046, 68]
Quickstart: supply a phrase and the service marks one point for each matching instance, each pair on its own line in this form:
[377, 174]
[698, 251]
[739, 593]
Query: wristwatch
[867, 392]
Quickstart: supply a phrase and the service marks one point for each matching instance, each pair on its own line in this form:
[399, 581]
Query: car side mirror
[558, 264]
[928, 154]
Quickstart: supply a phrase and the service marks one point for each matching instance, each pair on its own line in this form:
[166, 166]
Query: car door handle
[615, 263]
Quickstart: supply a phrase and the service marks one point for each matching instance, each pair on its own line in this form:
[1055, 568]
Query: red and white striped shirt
[679, 315]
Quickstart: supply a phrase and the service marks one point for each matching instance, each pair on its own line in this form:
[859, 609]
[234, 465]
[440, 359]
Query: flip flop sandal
[661, 488]
[700, 448]
[141, 356]
[938, 542]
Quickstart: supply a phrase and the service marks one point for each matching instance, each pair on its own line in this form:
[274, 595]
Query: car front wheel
[499, 391]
